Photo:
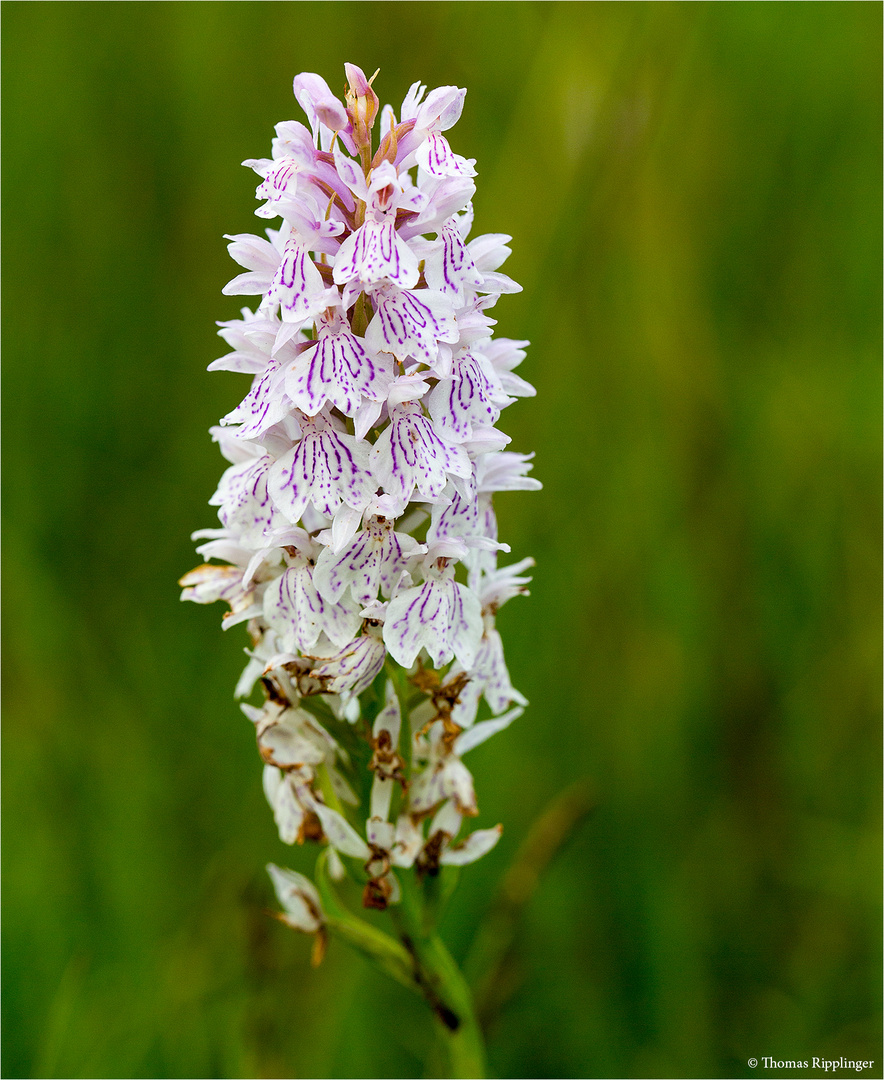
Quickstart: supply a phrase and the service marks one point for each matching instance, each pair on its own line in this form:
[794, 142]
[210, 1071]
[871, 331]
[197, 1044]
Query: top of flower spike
[421, 122]
[366, 321]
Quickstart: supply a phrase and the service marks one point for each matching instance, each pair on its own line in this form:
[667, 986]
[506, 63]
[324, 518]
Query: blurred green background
[693, 192]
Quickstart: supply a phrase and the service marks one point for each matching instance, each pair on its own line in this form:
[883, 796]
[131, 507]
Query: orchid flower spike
[357, 537]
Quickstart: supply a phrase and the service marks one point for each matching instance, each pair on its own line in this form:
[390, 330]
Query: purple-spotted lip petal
[375, 254]
[411, 324]
[337, 369]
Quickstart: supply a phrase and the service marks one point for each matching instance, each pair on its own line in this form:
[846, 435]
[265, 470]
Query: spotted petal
[441, 616]
[373, 559]
[410, 454]
[459, 519]
[297, 285]
[436, 157]
[264, 405]
[375, 253]
[337, 369]
[244, 505]
[297, 612]
[450, 269]
[470, 398]
[410, 324]
[325, 468]
[353, 668]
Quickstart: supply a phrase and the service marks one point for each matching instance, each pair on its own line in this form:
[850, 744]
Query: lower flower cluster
[358, 539]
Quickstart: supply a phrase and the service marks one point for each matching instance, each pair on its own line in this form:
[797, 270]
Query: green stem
[441, 982]
[383, 950]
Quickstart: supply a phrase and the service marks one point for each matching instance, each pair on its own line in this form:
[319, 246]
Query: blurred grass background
[693, 191]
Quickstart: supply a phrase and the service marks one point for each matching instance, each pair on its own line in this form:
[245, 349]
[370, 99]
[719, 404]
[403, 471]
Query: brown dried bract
[444, 697]
[425, 679]
[300, 671]
[385, 760]
[450, 731]
[311, 828]
[376, 894]
[428, 860]
[379, 863]
[320, 942]
[274, 691]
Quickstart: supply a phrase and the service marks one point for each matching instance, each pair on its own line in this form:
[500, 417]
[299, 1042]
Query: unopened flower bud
[362, 106]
